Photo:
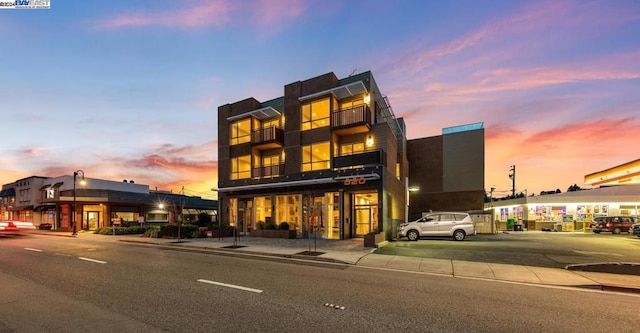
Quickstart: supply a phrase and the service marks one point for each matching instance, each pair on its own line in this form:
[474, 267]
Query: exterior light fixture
[370, 140]
[82, 182]
[367, 99]
[414, 188]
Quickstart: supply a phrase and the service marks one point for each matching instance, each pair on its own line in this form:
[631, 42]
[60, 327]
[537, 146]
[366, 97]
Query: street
[60, 284]
[543, 249]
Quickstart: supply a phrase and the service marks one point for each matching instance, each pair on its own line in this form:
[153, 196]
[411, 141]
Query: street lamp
[82, 182]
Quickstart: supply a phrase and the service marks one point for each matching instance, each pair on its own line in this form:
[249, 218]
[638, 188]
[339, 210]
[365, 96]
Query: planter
[45, 226]
[287, 234]
[370, 240]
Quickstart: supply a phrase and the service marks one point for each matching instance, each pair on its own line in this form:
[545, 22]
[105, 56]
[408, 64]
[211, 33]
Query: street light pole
[73, 217]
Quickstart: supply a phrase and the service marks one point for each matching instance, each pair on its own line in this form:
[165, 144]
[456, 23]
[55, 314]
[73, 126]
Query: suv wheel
[413, 235]
[459, 235]
[616, 231]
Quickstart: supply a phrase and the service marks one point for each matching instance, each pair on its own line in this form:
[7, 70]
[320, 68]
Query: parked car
[596, 221]
[456, 225]
[614, 224]
[635, 229]
[14, 227]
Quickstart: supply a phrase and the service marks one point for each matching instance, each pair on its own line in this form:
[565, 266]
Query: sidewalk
[352, 252]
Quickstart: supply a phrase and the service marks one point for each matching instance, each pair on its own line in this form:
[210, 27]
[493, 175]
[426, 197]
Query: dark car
[635, 229]
[595, 221]
[614, 224]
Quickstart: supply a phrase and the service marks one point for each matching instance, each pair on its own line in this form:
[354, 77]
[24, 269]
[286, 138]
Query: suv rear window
[460, 217]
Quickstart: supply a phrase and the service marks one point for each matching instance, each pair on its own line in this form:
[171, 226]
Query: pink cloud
[201, 13]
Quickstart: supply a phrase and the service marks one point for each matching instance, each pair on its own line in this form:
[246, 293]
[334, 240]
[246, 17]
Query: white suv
[456, 225]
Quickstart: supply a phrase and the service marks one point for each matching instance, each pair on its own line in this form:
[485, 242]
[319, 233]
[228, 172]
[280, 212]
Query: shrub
[283, 226]
[171, 230]
[134, 230]
[204, 220]
[260, 225]
[152, 231]
[270, 226]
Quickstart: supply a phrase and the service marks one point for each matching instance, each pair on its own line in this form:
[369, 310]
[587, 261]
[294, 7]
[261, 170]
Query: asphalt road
[71, 285]
[543, 249]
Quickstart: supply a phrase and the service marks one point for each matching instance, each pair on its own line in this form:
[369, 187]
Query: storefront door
[93, 220]
[245, 216]
[366, 213]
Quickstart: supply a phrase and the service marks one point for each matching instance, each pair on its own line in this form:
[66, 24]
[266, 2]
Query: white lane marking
[31, 249]
[92, 260]
[231, 286]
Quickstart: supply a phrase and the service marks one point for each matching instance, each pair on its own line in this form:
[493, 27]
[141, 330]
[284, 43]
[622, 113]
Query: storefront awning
[348, 90]
[10, 192]
[261, 114]
[45, 207]
[45, 187]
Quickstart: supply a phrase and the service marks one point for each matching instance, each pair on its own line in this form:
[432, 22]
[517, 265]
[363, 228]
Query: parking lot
[531, 248]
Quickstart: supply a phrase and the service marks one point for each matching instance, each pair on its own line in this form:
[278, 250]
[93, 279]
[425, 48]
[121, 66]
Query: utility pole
[512, 175]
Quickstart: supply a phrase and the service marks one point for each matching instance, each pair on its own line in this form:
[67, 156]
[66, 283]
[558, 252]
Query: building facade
[447, 171]
[328, 158]
[97, 203]
[18, 199]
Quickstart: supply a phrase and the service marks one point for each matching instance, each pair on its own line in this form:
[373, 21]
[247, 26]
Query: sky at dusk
[130, 89]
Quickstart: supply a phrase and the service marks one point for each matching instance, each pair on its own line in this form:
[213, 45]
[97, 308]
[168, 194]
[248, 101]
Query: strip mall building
[618, 193]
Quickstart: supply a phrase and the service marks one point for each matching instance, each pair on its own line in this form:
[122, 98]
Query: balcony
[375, 157]
[267, 138]
[269, 171]
[351, 121]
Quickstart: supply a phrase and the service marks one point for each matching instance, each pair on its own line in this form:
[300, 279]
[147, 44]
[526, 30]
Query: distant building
[623, 174]
[99, 202]
[447, 171]
[618, 194]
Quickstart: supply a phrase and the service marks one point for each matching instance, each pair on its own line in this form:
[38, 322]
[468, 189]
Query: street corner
[607, 267]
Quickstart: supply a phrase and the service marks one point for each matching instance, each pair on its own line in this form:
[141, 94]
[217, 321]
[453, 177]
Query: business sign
[354, 181]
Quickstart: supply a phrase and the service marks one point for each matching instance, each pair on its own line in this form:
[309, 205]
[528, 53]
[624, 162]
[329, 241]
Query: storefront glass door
[366, 213]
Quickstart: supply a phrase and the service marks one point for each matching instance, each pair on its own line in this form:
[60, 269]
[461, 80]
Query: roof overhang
[261, 114]
[274, 185]
[348, 90]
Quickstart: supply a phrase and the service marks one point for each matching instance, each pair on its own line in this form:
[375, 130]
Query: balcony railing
[268, 171]
[374, 157]
[357, 116]
[269, 137]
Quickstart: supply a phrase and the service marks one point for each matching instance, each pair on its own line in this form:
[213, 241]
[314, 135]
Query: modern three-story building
[328, 158]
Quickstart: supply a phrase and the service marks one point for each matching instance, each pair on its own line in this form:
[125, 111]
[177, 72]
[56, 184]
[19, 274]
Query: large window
[241, 167]
[241, 131]
[315, 114]
[316, 156]
[351, 104]
[351, 148]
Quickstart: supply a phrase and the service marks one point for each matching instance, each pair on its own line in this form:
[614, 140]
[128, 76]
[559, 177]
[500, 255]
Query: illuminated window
[271, 166]
[351, 104]
[351, 148]
[241, 167]
[316, 156]
[241, 131]
[315, 114]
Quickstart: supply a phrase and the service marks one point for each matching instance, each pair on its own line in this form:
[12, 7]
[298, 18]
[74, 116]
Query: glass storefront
[309, 215]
